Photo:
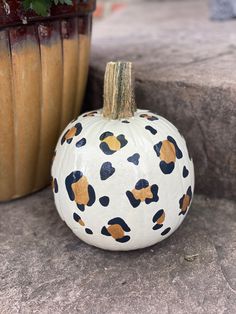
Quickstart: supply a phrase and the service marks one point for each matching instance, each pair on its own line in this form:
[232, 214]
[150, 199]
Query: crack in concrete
[193, 62]
[221, 54]
[218, 259]
[223, 272]
[171, 64]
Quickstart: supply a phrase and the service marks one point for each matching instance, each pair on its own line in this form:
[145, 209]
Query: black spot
[125, 121]
[89, 231]
[141, 184]
[157, 148]
[155, 198]
[90, 114]
[124, 239]
[104, 135]
[179, 154]
[76, 217]
[133, 201]
[167, 230]
[121, 138]
[189, 192]
[157, 226]
[104, 201]
[151, 129]
[106, 170]
[91, 194]
[134, 159]
[148, 117]
[105, 148]
[81, 143]
[185, 172]
[105, 232]
[55, 186]
[167, 168]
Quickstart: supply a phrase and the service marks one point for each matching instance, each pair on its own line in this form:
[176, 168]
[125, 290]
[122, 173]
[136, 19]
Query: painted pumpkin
[122, 177]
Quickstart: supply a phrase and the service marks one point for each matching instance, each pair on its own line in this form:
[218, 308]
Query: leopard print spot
[116, 231]
[167, 152]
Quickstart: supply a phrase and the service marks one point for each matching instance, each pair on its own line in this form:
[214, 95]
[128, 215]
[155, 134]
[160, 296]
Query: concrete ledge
[185, 72]
[45, 269]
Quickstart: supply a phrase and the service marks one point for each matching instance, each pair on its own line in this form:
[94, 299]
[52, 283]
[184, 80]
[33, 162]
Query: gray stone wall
[185, 72]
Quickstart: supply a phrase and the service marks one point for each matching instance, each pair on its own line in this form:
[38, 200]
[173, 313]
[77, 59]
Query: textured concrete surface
[223, 9]
[184, 71]
[45, 269]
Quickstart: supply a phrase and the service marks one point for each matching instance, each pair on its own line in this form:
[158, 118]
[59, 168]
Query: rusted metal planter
[43, 73]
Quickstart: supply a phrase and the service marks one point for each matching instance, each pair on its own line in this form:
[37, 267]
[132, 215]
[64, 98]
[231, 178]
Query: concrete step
[45, 269]
[185, 72]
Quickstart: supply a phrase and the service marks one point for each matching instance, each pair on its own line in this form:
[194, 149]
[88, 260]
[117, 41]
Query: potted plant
[44, 53]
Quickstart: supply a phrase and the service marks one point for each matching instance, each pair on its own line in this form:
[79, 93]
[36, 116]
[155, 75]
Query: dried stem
[119, 100]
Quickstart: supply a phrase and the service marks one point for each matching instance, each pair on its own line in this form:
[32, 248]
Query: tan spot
[161, 219]
[70, 133]
[116, 231]
[112, 142]
[142, 194]
[80, 189]
[168, 153]
[186, 202]
[81, 222]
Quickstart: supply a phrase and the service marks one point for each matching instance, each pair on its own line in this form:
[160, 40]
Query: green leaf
[42, 7]
[27, 4]
[68, 2]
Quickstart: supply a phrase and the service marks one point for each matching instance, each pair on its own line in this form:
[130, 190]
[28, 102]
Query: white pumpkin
[123, 178]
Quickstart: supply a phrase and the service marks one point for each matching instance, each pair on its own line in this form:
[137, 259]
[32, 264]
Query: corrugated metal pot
[43, 73]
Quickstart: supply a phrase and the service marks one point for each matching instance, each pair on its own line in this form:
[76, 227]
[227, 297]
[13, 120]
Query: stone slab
[45, 269]
[184, 71]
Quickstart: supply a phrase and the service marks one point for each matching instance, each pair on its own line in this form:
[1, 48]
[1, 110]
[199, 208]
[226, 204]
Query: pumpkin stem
[119, 100]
